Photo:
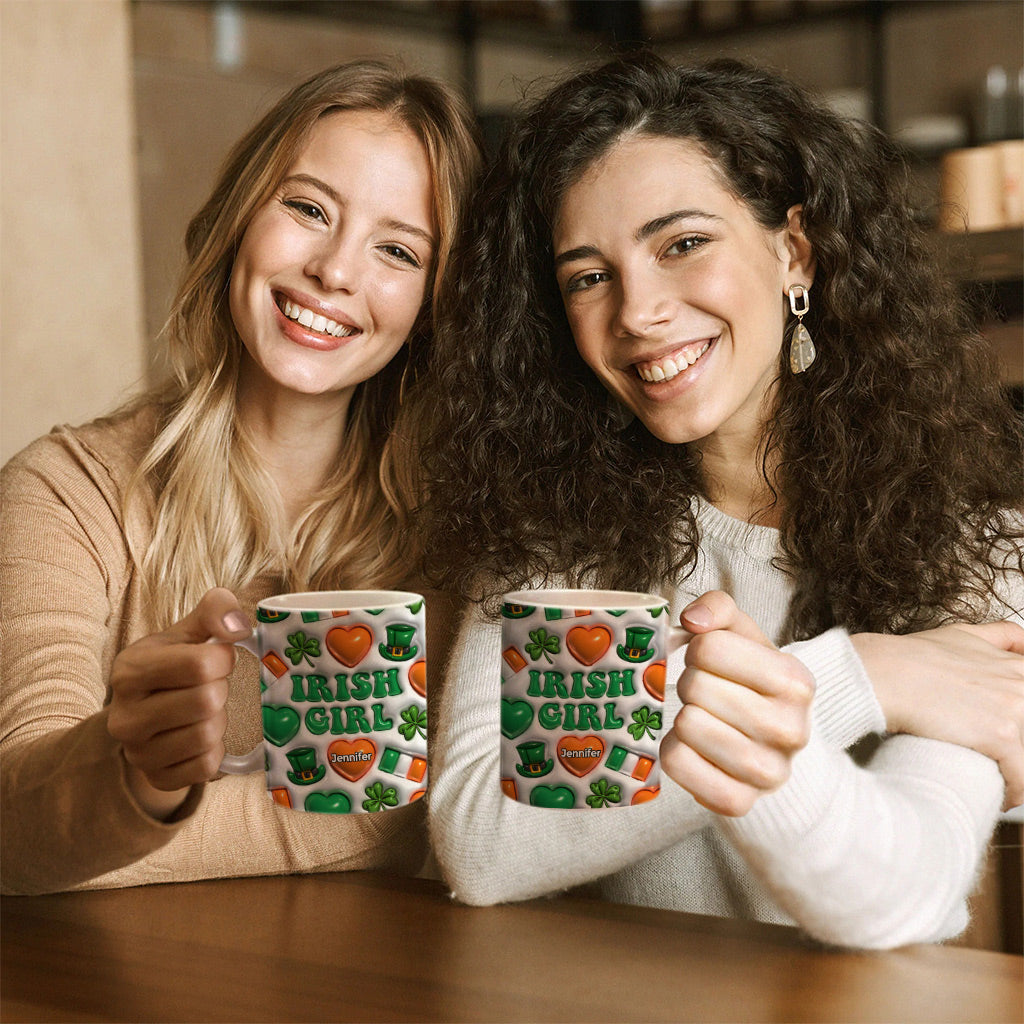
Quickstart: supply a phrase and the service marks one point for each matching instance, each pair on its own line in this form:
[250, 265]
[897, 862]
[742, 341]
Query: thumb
[717, 610]
[218, 616]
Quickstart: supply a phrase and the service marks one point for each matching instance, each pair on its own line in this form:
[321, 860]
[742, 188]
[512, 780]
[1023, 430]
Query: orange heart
[580, 754]
[654, 679]
[349, 644]
[418, 677]
[641, 796]
[351, 758]
[588, 644]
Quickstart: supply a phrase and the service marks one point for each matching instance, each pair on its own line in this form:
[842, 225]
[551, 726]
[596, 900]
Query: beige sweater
[70, 600]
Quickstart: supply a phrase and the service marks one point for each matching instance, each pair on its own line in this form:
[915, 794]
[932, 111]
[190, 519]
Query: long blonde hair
[218, 519]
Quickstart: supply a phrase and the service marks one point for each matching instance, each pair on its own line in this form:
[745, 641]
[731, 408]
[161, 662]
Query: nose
[337, 264]
[644, 304]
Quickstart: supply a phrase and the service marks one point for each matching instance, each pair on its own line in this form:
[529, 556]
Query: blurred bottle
[1000, 107]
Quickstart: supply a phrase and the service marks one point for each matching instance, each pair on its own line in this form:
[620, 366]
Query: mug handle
[676, 642]
[243, 764]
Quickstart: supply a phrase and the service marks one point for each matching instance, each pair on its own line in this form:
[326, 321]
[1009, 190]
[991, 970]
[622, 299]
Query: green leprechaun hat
[635, 648]
[516, 611]
[397, 647]
[306, 770]
[270, 615]
[532, 756]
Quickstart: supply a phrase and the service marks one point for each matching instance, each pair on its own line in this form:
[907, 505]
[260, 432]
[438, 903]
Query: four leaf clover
[646, 722]
[378, 797]
[604, 793]
[543, 644]
[302, 646]
[414, 720]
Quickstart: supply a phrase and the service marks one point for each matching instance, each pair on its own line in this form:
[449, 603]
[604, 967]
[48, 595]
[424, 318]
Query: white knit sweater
[873, 857]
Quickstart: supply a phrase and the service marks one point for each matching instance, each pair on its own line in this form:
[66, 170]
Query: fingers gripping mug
[583, 681]
[343, 680]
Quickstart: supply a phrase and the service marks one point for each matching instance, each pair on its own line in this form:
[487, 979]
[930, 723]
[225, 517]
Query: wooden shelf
[987, 257]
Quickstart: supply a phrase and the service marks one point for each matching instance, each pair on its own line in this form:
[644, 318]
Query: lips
[673, 363]
[315, 321]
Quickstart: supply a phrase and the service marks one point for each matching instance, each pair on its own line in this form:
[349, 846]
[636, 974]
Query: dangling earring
[801, 350]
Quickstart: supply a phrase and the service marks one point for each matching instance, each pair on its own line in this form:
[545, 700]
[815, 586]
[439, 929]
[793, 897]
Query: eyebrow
[652, 227]
[335, 197]
[642, 234]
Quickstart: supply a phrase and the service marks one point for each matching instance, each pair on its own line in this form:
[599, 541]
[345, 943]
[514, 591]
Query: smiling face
[673, 290]
[332, 270]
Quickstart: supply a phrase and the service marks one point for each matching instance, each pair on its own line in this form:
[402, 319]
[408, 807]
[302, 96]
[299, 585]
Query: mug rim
[581, 598]
[338, 600]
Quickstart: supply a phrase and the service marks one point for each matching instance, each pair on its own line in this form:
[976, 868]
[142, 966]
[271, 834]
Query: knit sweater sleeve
[493, 849]
[879, 856]
[845, 707]
[67, 811]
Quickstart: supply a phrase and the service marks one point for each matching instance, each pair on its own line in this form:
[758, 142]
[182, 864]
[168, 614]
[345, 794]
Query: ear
[798, 246]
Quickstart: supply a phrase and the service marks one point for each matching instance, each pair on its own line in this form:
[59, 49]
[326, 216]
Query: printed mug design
[581, 705]
[344, 707]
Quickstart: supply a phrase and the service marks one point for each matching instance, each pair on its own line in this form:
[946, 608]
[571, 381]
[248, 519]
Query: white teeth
[667, 367]
[314, 321]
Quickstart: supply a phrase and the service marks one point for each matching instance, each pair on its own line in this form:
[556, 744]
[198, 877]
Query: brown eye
[308, 210]
[584, 282]
[682, 246]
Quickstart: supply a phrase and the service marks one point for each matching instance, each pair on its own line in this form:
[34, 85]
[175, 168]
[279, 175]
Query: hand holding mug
[168, 696]
[746, 710]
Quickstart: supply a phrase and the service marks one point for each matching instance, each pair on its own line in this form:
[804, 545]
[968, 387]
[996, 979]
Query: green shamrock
[543, 644]
[604, 793]
[303, 646]
[414, 721]
[379, 797]
[645, 722]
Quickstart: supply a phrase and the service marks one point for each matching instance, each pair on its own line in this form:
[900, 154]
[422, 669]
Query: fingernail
[699, 615]
[236, 622]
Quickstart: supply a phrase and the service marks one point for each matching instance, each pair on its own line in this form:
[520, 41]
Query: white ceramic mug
[343, 675]
[583, 683]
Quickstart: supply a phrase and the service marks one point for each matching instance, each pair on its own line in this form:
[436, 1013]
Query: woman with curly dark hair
[700, 347]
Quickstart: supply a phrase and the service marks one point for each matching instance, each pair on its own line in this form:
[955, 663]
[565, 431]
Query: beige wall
[71, 342]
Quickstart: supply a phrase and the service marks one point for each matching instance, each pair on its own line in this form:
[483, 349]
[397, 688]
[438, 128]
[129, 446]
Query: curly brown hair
[898, 457]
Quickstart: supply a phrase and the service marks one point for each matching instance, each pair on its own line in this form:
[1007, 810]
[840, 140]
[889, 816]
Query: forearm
[70, 821]
[876, 857]
[68, 815]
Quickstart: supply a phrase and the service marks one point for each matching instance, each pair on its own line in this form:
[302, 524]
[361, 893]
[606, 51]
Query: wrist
[873, 651]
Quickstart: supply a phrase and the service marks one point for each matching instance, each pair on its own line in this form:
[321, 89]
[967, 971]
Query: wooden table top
[369, 947]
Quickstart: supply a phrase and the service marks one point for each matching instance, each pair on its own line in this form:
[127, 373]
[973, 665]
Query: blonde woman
[272, 460]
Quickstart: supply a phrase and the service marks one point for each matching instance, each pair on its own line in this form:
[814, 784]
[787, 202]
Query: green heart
[414, 608]
[516, 716]
[553, 796]
[328, 803]
[280, 723]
